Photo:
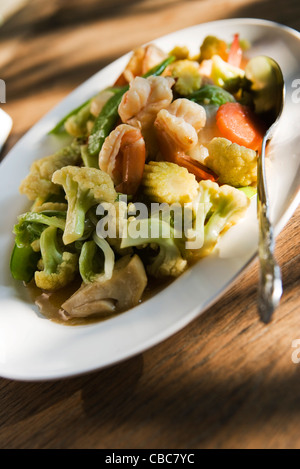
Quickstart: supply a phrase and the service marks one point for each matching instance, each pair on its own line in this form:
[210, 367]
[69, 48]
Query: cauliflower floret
[234, 164]
[84, 187]
[215, 209]
[168, 261]
[187, 75]
[169, 183]
[38, 182]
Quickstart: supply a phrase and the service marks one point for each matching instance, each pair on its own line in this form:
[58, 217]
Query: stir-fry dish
[158, 166]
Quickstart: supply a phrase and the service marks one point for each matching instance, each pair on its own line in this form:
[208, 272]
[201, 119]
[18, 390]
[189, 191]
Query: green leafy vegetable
[211, 94]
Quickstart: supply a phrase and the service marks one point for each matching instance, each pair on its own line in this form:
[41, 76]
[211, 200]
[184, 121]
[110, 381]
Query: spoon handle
[270, 283]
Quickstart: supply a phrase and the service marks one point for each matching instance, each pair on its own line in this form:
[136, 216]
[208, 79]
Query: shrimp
[177, 129]
[123, 157]
[141, 61]
[144, 99]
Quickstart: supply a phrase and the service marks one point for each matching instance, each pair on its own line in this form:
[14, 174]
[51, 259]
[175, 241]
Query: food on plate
[158, 167]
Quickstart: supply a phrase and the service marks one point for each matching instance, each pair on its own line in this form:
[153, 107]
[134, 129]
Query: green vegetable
[211, 94]
[223, 71]
[105, 122]
[28, 232]
[59, 268]
[264, 77]
[84, 187]
[23, 263]
[109, 115]
[88, 160]
[60, 125]
[250, 191]
[31, 225]
[95, 266]
[169, 260]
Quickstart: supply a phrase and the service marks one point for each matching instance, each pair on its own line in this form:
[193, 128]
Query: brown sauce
[49, 303]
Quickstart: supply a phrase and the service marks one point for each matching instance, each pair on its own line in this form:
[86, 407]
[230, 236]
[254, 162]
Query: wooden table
[226, 380]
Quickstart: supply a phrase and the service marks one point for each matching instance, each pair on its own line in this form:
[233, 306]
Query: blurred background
[47, 48]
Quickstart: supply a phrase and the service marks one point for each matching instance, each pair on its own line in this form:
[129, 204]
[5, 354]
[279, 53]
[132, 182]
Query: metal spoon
[270, 91]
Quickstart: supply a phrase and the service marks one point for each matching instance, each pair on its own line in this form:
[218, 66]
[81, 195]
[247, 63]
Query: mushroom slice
[104, 298]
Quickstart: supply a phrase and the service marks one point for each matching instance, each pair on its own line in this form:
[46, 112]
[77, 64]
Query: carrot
[240, 125]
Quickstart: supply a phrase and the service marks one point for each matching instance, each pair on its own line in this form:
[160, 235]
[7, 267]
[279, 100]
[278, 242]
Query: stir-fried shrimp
[141, 61]
[178, 126]
[123, 156]
[177, 132]
[144, 99]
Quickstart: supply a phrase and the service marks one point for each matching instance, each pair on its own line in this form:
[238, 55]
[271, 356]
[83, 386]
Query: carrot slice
[240, 125]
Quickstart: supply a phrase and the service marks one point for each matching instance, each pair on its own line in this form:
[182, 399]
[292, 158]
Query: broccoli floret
[169, 261]
[84, 187]
[234, 164]
[59, 268]
[169, 183]
[187, 75]
[223, 71]
[213, 46]
[91, 261]
[38, 183]
[77, 124]
[218, 208]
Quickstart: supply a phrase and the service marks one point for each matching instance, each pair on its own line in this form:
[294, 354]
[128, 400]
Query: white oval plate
[34, 348]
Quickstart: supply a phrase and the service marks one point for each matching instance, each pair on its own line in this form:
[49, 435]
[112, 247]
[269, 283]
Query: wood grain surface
[226, 380]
